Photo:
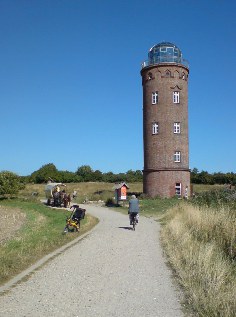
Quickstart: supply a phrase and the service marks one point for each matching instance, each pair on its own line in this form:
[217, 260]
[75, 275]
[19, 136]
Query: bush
[10, 183]
[217, 199]
[110, 202]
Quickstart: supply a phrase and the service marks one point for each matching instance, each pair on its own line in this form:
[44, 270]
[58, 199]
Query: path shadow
[126, 228]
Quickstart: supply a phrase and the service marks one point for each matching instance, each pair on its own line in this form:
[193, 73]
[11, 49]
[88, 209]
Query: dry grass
[86, 191]
[11, 221]
[195, 241]
[199, 188]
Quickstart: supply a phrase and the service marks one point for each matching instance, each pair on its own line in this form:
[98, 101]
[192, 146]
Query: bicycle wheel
[134, 223]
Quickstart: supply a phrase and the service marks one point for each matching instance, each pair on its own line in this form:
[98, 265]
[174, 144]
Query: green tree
[205, 178]
[67, 177]
[134, 176]
[44, 173]
[85, 172]
[98, 176]
[10, 183]
[109, 177]
[194, 176]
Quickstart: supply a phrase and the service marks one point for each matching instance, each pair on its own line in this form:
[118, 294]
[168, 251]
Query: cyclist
[133, 209]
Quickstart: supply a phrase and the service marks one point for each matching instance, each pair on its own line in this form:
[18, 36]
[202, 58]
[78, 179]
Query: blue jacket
[133, 206]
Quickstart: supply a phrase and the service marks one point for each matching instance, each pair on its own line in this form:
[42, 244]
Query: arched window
[168, 73]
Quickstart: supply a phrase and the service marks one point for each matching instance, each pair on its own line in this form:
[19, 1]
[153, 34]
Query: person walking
[133, 210]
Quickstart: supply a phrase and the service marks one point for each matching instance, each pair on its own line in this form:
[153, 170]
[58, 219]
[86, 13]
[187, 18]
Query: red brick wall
[159, 149]
[162, 183]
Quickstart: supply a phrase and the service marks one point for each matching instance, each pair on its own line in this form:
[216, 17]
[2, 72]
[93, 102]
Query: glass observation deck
[165, 52]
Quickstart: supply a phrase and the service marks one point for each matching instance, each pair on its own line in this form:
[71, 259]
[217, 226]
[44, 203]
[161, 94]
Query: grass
[95, 191]
[150, 207]
[199, 241]
[200, 245]
[85, 191]
[199, 188]
[40, 235]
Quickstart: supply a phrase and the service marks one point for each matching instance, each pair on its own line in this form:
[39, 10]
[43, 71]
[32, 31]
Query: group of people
[61, 198]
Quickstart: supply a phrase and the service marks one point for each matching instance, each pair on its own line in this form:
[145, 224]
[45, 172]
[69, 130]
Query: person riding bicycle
[133, 210]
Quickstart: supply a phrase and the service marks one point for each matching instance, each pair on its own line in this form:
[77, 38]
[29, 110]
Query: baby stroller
[73, 221]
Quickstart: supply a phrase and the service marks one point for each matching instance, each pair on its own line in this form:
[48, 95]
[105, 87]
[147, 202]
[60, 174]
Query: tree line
[11, 183]
[219, 178]
[84, 173]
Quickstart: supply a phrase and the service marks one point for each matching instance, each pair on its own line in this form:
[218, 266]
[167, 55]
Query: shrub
[217, 198]
[110, 202]
[10, 183]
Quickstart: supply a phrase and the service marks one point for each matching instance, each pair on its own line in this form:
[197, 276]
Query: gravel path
[113, 271]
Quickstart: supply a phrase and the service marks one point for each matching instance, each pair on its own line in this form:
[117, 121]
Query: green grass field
[41, 233]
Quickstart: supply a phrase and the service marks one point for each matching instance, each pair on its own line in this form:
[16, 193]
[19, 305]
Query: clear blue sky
[70, 84]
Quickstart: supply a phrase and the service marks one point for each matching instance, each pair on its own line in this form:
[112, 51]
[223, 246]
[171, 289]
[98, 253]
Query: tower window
[168, 73]
[155, 97]
[176, 97]
[177, 127]
[155, 128]
[150, 76]
[177, 156]
[178, 189]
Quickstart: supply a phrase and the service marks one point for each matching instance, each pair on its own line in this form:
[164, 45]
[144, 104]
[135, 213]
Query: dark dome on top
[164, 52]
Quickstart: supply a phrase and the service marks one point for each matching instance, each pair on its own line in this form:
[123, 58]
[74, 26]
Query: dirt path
[112, 272]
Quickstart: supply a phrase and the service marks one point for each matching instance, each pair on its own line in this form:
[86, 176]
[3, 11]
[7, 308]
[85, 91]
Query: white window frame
[177, 157]
[178, 189]
[177, 127]
[176, 97]
[155, 98]
[155, 128]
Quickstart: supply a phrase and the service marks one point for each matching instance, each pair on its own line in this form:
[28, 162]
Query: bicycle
[73, 221]
[134, 220]
[71, 224]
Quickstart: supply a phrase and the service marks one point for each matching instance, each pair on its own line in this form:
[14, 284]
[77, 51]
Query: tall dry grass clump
[200, 245]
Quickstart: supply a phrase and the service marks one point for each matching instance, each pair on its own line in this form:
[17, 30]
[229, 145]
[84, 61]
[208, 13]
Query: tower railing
[163, 60]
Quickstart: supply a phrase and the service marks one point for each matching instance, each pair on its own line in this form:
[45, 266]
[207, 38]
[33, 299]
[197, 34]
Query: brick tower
[165, 122]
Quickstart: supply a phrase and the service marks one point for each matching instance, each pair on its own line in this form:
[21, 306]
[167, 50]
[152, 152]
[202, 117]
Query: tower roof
[164, 52]
[163, 45]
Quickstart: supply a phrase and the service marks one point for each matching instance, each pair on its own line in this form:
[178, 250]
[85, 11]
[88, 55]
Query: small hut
[120, 191]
